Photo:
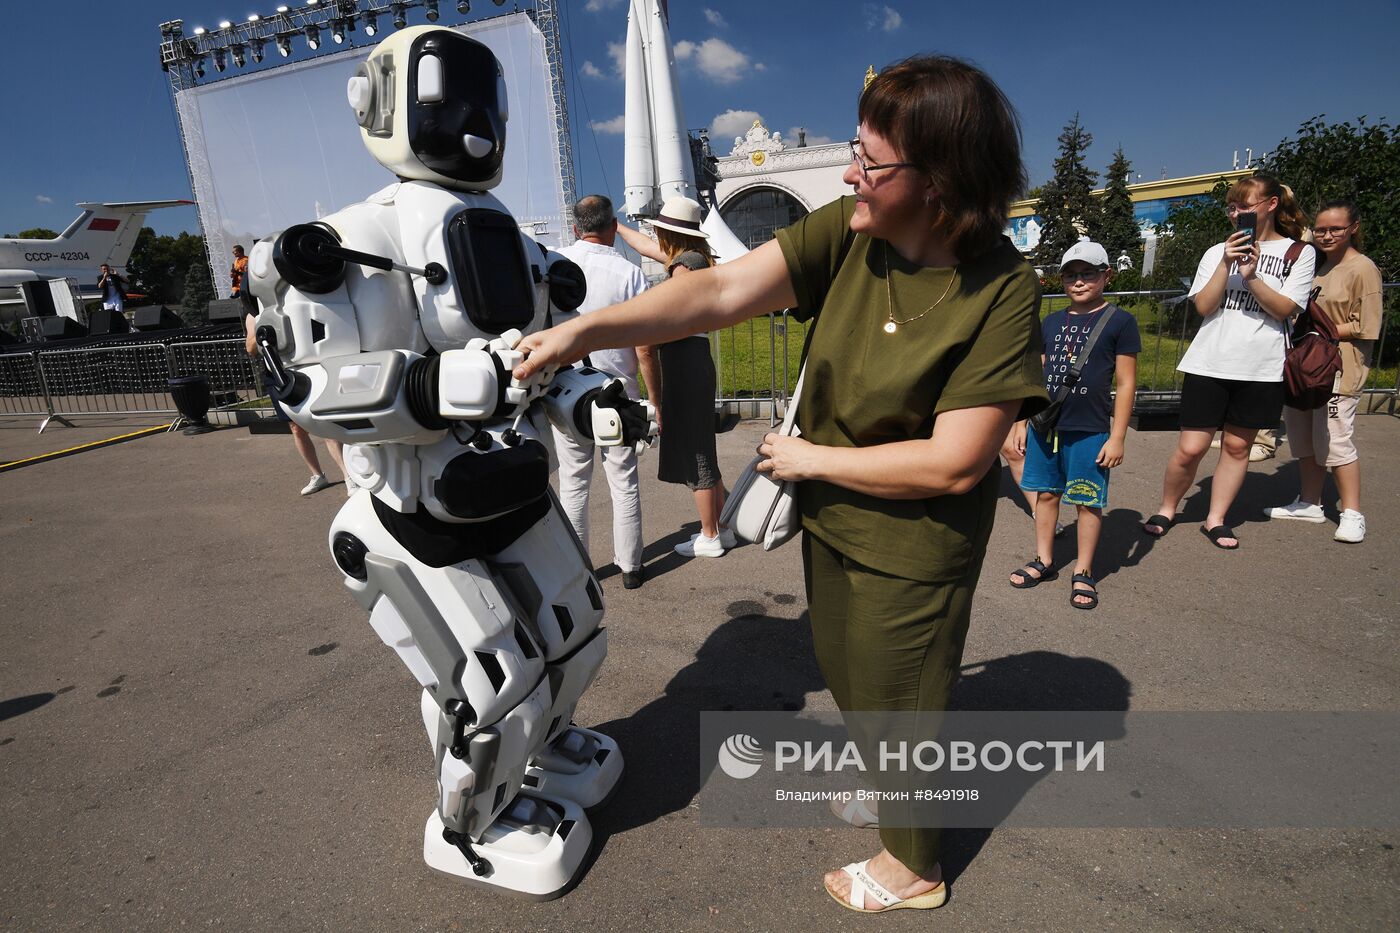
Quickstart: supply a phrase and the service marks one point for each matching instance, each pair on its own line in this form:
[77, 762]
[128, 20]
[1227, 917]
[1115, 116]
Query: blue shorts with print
[1069, 470]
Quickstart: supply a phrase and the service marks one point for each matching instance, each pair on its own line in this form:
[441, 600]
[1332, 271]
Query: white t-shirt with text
[1241, 340]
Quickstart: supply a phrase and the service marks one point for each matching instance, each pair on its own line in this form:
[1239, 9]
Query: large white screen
[279, 147]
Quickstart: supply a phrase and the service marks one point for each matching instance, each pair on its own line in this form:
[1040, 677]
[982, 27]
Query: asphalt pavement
[198, 727]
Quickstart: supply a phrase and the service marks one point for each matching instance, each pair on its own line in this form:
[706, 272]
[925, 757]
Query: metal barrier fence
[756, 365]
[118, 379]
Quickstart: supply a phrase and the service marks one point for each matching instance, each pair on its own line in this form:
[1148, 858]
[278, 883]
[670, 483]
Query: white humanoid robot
[391, 326]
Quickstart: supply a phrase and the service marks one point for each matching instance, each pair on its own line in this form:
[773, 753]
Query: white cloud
[612, 127]
[598, 6]
[881, 17]
[717, 60]
[617, 51]
[813, 139]
[716, 19]
[590, 70]
[725, 126]
[43, 199]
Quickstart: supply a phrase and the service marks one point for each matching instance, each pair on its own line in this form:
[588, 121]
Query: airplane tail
[107, 232]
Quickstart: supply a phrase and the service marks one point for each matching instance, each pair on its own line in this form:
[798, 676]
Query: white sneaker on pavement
[1298, 510]
[726, 538]
[1352, 527]
[701, 546]
[317, 483]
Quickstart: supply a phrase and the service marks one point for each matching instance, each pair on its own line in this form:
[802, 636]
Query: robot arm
[591, 407]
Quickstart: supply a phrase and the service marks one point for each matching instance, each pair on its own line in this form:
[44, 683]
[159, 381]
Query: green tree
[199, 291]
[1117, 228]
[159, 265]
[1066, 207]
[1359, 161]
[34, 233]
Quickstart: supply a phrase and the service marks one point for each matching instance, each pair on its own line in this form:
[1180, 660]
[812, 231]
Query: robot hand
[618, 420]
[476, 381]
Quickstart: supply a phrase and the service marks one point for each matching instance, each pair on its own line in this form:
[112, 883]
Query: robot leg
[549, 575]
[486, 702]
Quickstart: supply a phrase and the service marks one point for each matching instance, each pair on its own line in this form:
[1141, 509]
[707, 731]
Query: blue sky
[88, 114]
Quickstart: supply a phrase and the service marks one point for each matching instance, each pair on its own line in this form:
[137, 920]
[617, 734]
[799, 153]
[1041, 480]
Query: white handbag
[760, 509]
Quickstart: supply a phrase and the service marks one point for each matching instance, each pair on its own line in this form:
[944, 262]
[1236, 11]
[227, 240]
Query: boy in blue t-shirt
[1073, 460]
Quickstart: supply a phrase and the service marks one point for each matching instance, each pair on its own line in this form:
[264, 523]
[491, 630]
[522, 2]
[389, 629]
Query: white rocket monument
[656, 158]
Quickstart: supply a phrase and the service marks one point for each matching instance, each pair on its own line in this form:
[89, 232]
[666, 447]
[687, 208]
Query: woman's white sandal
[862, 884]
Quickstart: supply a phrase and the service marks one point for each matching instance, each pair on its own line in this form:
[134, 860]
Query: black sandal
[1028, 581]
[1161, 521]
[1092, 593]
[1218, 532]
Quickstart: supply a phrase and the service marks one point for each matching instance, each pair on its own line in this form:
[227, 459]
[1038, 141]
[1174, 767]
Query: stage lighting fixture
[400, 19]
[431, 11]
[225, 24]
[371, 24]
[312, 2]
[337, 31]
[220, 59]
[283, 9]
[464, 7]
[238, 56]
[256, 47]
[253, 17]
[200, 30]
[284, 44]
[313, 38]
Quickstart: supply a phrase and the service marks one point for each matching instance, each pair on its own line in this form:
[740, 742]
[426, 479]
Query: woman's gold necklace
[892, 325]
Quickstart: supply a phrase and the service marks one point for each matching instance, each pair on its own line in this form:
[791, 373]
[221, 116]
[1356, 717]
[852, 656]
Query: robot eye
[501, 100]
[430, 80]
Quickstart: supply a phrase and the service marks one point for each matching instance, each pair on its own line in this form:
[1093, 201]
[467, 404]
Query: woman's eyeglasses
[1234, 209]
[1330, 231]
[867, 167]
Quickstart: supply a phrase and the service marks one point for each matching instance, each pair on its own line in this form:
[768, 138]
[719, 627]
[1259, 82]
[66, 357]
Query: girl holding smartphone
[1245, 290]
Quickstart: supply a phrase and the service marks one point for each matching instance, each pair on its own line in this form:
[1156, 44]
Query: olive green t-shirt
[980, 346]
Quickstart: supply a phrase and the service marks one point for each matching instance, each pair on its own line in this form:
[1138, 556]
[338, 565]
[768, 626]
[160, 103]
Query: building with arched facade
[765, 184]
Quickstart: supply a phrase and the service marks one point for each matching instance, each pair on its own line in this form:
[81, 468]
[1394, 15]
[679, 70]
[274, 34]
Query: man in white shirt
[611, 279]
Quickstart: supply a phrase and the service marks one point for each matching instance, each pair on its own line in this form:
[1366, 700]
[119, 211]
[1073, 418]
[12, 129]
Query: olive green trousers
[888, 644]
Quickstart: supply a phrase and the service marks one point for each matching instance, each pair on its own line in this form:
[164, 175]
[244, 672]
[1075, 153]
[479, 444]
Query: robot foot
[536, 849]
[579, 765]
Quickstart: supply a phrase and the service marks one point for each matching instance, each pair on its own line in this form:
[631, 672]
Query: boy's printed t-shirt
[1089, 405]
[1241, 340]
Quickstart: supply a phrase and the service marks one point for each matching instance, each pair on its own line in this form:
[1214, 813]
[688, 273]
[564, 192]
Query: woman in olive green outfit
[926, 349]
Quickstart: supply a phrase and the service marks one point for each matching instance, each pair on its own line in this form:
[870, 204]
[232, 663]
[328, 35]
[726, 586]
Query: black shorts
[1211, 403]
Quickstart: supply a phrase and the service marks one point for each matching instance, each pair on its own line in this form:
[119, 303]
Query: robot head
[431, 104]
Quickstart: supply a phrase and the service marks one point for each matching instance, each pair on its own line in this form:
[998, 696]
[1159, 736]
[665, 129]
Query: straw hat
[681, 215]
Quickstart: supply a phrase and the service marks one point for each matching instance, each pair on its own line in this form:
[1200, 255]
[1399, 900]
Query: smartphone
[1246, 220]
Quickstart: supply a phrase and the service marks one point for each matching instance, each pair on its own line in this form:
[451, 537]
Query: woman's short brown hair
[948, 118]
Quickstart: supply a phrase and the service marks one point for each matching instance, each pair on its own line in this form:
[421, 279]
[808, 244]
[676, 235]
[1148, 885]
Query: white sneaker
[1352, 527]
[317, 483]
[701, 546]
[726, 538]
[1298, 510]
[1260, 452]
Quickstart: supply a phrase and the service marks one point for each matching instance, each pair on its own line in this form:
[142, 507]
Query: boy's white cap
[1086, 251]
